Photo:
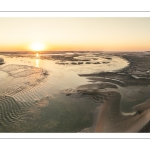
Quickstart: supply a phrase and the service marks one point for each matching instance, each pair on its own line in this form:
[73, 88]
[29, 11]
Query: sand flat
[38, 93]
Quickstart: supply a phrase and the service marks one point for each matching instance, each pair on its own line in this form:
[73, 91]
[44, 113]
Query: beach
[74, 92]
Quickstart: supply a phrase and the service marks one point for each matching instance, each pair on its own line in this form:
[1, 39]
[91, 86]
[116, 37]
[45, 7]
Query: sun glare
[37, 55]
[37, 46]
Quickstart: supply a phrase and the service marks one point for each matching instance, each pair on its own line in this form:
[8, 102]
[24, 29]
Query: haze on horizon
[104, 34]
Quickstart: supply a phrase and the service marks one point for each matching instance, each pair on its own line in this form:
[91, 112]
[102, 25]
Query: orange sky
[104, 34]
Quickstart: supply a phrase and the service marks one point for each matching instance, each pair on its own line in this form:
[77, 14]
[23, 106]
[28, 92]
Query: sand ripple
[21, 79]
[10, 111]
[16, 91]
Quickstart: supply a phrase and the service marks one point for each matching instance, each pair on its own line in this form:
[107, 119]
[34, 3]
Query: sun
[37, 46]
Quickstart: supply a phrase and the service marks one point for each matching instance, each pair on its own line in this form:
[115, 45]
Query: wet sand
[111, 119]
[134, 77]
[87, 92]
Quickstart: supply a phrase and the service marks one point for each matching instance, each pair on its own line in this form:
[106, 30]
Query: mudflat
[75, 92]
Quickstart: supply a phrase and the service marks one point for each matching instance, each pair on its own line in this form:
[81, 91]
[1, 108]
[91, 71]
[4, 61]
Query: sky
[53, 33]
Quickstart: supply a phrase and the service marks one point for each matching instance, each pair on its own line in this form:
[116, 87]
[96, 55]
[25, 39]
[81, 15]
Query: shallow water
[40, 95]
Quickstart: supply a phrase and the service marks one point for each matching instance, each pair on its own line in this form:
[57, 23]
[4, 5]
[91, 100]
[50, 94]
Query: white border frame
[74, 135]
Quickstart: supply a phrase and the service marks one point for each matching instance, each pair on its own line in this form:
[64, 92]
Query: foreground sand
[111, 119]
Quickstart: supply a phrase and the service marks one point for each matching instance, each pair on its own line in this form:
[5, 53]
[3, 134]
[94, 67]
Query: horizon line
[73, 51]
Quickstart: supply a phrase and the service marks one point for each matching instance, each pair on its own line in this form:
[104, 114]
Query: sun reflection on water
[37, 62]
[37, 55]
[37, 59]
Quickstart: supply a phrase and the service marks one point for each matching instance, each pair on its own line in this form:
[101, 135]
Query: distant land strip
[74, 11]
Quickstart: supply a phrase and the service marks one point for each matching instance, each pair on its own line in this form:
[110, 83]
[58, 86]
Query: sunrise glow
[37, 46]
[75, 34]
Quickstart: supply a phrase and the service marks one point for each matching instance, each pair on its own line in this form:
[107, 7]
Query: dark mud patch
[1, 61]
